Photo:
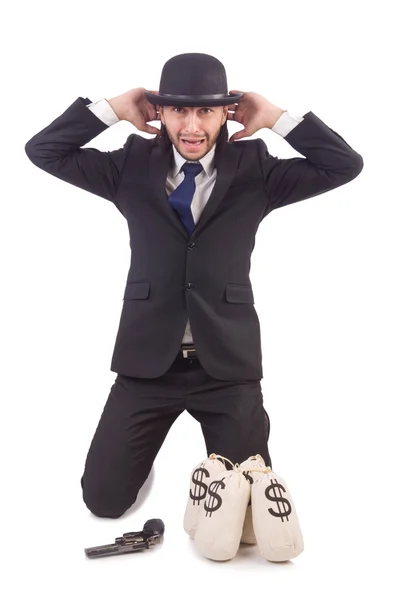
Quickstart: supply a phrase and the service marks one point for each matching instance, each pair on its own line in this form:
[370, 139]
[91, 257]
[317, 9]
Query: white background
[324, 278]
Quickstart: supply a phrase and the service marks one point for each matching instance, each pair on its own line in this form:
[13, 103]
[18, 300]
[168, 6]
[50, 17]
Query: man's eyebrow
[211, 107]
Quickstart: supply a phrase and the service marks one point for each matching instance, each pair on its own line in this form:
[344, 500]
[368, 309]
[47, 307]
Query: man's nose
[192, 122]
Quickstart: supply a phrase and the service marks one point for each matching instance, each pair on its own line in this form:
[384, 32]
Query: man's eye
[179, 108]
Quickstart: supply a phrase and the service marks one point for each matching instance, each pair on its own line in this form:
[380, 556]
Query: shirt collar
[207, 161]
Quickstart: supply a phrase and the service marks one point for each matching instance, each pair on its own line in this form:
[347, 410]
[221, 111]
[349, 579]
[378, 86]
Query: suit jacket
[205, 277]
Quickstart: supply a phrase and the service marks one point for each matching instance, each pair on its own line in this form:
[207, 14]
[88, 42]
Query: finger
[153, 113]
[236, 92]
[155, 131]
[239, 135]
[231, 116]
[150, 129]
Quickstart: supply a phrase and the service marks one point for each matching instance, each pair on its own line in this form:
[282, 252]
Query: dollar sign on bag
[200, 488]
[212, 491]
[279, 499]
[250, 481]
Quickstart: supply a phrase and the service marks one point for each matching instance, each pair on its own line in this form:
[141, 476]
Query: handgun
[151, 534]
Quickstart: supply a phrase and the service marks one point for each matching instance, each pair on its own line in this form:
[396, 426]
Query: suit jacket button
[191, 245]
[189, 287]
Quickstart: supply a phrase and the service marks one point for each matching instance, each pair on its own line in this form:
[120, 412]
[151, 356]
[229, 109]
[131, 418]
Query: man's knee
[105, 502]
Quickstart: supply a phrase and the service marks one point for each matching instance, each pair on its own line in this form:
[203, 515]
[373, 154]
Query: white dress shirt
[205, 180]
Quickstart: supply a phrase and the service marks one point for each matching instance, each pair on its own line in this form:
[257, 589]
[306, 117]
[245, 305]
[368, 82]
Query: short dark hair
[221, 140]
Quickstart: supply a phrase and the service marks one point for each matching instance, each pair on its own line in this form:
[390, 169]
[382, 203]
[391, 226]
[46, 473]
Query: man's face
[193, 123]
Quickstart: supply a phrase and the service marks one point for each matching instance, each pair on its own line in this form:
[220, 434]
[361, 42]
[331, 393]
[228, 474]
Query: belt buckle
[188, 348]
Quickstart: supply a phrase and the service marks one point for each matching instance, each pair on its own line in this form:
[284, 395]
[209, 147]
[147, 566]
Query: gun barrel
[110, 549]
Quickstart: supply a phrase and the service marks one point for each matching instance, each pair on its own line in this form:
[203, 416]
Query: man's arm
[330, 162]
[57, 150]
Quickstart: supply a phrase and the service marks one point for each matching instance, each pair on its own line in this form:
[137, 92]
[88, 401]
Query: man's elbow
[30, 150]
[357, 165]
[36, 154]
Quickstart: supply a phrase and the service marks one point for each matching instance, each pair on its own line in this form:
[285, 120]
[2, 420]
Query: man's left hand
[254, 112]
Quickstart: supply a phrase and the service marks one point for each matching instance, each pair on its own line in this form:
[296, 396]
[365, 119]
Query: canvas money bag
[253, 462]
[199, 478]
[274, 518]
[221, 519]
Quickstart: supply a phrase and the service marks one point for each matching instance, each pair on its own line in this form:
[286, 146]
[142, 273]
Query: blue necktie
[181, 198]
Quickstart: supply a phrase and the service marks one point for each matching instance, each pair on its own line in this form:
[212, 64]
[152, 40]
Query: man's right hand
[135, 108]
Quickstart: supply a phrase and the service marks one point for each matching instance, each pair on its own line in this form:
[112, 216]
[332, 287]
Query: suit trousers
[138, 415]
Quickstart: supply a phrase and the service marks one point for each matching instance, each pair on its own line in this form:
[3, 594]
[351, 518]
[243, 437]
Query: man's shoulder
[245, 143]
[137, 144]
[247, 146]
[136, 139]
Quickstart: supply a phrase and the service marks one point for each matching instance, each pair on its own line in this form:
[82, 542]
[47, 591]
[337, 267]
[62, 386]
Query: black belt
[188, 351]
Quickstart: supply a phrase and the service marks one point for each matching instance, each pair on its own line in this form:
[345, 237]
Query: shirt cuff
[104, 111]
[286, 123]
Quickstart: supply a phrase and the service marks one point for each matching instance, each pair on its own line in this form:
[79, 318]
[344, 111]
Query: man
[189, 335]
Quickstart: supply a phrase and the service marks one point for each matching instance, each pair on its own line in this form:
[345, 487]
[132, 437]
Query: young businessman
[189, 335]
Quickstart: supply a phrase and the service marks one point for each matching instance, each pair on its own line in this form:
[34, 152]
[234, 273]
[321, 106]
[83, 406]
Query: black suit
[205, 277]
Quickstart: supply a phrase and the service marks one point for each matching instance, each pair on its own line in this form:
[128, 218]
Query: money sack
[199, 478]
[221, 519]
[253, 462]
[274, 518]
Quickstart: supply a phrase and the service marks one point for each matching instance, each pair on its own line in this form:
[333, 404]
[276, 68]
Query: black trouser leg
[233, 419]
[135, 421]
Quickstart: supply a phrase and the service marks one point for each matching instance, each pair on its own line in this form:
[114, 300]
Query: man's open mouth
[191, 143]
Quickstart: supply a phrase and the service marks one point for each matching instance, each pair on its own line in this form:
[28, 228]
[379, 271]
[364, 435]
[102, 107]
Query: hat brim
[170, 100]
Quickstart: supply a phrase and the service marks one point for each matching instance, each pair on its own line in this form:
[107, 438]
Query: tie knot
[192, 168]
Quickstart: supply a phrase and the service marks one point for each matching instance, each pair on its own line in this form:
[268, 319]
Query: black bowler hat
[193, 79]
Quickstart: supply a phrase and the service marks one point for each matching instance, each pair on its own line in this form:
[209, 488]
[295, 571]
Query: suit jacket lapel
[161, 163]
